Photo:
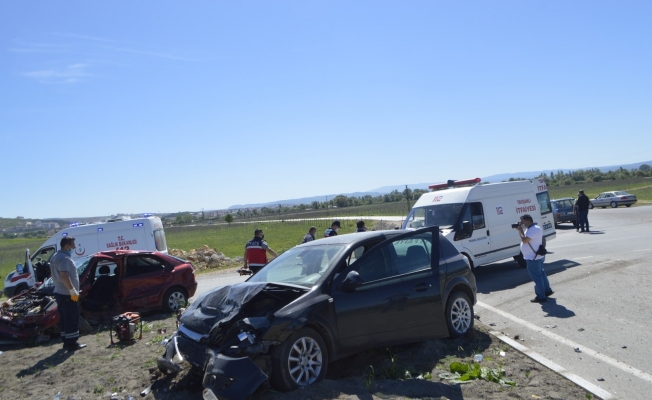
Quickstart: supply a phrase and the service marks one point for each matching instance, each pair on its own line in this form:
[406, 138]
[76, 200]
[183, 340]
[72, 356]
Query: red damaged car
[111, 282]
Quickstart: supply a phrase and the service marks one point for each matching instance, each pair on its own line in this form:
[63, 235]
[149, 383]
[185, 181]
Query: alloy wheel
[305, 361]
[461, 315]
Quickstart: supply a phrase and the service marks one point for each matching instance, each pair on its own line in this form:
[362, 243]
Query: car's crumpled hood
[221, 304]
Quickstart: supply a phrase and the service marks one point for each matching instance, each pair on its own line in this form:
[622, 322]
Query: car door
[600, 201]
[398, 298]
[144, 277]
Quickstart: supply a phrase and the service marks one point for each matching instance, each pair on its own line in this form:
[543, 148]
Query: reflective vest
[256, 252]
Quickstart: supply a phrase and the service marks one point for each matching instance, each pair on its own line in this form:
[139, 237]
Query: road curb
[581, 382]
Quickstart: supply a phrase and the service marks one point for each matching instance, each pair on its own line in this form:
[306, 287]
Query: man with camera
[531, 241]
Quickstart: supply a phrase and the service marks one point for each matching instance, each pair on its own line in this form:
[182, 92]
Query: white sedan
[613, 199]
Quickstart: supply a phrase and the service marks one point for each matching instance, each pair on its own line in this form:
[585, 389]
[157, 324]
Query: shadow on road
[508, 275]
[555, 310]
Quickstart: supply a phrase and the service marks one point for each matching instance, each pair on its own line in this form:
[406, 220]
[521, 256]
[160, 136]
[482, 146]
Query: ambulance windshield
[444, 215]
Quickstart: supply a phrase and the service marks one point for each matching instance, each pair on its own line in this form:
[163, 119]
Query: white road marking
[634, 251]
[596, 390]
[615, 363]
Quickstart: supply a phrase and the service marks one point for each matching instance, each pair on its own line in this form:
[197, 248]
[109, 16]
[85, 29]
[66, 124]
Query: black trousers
[68, 318]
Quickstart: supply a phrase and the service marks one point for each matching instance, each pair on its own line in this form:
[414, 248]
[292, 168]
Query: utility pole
[407, 197]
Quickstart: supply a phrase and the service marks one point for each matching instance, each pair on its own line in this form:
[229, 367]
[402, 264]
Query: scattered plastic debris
[502, 354]
[492, 324]
[624, 347]
[601, 379]
[478, 358]
[577, 350]
[57, 396]
[581, 329]
[516, 337]
[551, 326]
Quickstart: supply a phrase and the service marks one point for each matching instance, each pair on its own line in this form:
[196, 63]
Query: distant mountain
[388, 189]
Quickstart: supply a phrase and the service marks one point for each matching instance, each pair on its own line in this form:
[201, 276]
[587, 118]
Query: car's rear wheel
[520, 260]
[459, 314]
[627, 205]
[301, 360]
[174, 299]
[614, 204]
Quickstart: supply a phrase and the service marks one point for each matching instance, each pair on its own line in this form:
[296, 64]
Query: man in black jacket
[582, 209]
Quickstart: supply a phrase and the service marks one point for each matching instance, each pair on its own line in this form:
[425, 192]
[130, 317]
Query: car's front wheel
[614, 204]
[459, 314]
[174, 299]
[300, 361]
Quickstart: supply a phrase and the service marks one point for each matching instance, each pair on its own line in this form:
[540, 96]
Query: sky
[161, 106]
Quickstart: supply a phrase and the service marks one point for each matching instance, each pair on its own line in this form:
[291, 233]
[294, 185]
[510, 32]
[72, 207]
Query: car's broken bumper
[228, 378]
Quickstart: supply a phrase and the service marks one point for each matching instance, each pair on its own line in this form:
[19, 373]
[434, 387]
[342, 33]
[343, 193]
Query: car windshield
[302, 265]
[80, 270]
[442, 215]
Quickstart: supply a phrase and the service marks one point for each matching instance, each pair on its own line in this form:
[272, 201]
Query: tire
[459, 314]
[614, 204]
[520, 260]
[20, 288]
[591, 206]
[174, 299]
[301, 360]
[628, 205]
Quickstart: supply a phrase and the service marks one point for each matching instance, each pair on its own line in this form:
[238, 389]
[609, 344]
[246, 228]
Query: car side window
[138, 265]
[413, 253]
[396, 258]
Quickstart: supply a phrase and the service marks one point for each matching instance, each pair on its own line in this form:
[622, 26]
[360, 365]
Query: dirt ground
[105, 371]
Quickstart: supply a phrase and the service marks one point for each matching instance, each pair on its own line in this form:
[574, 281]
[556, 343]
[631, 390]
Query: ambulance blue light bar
[100, 229]
[138, 224]
[64, 234]
[145, 215]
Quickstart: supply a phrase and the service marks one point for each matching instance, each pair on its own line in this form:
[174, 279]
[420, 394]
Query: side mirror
[467, 228]
[351, 282]
[466, 232]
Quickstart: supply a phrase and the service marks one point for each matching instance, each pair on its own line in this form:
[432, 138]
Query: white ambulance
[116, 234]
[477, 218]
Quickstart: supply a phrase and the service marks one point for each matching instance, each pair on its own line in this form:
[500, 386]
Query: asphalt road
[600, 307]
[601, 303]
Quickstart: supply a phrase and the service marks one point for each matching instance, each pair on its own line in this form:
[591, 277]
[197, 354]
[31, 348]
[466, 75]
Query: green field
[641, 187]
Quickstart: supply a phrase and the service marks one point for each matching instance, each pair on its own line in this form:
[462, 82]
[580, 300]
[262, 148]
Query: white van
[477, 218]
[122, 234]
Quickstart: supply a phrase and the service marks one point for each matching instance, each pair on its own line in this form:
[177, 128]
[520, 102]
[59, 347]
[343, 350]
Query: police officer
[255, 255]
[332, 231]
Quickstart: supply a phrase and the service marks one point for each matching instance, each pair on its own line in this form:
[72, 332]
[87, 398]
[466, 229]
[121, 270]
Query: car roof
[349, 238]
[563, 198]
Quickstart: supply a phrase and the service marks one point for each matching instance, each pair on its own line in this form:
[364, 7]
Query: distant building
[20, 217]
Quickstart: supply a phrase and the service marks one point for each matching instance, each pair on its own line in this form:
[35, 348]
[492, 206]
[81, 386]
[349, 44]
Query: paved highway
[601, 303]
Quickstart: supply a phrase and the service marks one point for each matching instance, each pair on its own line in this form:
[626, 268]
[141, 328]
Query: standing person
[531, 239]
[582, 204]
[332, 231]
[255, 255]
[360, 226]
[310, 236]
[66, 293]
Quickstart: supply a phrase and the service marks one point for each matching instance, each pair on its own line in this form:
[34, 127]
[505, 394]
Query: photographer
[531, 239]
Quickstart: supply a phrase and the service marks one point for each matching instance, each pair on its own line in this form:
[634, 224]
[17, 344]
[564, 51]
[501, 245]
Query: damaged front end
[225, 334]
[28, 315]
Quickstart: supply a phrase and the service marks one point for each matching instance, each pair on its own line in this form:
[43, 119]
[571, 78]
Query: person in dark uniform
[582, 207]
[360, 226]
[332, 231]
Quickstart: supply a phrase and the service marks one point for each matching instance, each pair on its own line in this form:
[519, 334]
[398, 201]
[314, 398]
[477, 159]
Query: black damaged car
[322, 301]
